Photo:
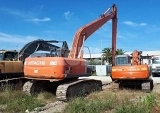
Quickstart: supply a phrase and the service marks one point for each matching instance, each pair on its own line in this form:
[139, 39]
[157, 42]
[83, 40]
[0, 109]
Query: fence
[101, 70]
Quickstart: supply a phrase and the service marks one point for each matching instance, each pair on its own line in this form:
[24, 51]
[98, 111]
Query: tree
[107, 54]
[120, 52]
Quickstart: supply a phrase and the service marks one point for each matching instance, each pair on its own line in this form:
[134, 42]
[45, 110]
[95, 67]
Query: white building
[145, 55]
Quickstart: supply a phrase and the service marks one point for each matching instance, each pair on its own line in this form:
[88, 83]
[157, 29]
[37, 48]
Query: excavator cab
[60, 52]
[55, 51]
[8, 55]
[123, 60]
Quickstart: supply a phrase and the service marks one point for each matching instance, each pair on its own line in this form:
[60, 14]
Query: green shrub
[144, 105]
[96, 105]
[131, 107]
[17, 102]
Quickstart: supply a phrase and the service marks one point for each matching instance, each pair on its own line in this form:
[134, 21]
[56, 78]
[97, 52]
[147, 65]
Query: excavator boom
[84, 32]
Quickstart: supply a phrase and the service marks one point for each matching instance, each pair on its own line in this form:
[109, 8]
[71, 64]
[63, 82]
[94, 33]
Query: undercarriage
[144, 85]
[64, 90]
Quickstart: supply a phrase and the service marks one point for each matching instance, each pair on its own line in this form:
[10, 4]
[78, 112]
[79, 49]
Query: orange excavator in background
[130, 71]
[64, 71]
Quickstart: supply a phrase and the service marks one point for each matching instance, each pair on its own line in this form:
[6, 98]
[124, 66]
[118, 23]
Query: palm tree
[120, 52]
[107, 54]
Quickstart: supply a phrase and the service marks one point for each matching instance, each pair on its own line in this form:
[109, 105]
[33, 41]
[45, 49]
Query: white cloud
[143, 24]
[14, 12]
[130, 23]
[25, 15]
[45, 19]
[68, 15]
[7, 38]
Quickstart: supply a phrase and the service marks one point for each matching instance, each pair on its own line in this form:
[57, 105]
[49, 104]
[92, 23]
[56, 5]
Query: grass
[110, 102]
[83, 105]
[141, 105]
[46, 97]
[106, 101]
[16, 101]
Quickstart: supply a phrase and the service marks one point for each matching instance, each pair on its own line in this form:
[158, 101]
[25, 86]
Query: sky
[22, 21]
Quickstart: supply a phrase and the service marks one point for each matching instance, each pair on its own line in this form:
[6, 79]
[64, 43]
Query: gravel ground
[56, 107]
[156, 88]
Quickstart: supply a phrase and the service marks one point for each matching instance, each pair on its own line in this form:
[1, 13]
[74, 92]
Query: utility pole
[18, 53]
[89, 53]
[101, 50]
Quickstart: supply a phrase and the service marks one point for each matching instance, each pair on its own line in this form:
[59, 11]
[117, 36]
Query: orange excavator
[64, 71]
[11, 62]
[130, 71]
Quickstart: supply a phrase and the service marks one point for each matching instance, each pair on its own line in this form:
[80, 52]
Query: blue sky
[26, 20]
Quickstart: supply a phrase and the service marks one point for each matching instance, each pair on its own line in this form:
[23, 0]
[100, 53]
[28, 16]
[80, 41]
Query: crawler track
[65, 90]
[144, 85]
[29, 87]
[82, 87]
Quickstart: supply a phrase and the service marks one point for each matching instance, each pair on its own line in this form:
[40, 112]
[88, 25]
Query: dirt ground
[156, 88]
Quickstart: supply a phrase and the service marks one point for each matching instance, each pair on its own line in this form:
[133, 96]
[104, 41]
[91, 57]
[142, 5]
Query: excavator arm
[136, 57]
[83, 33]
